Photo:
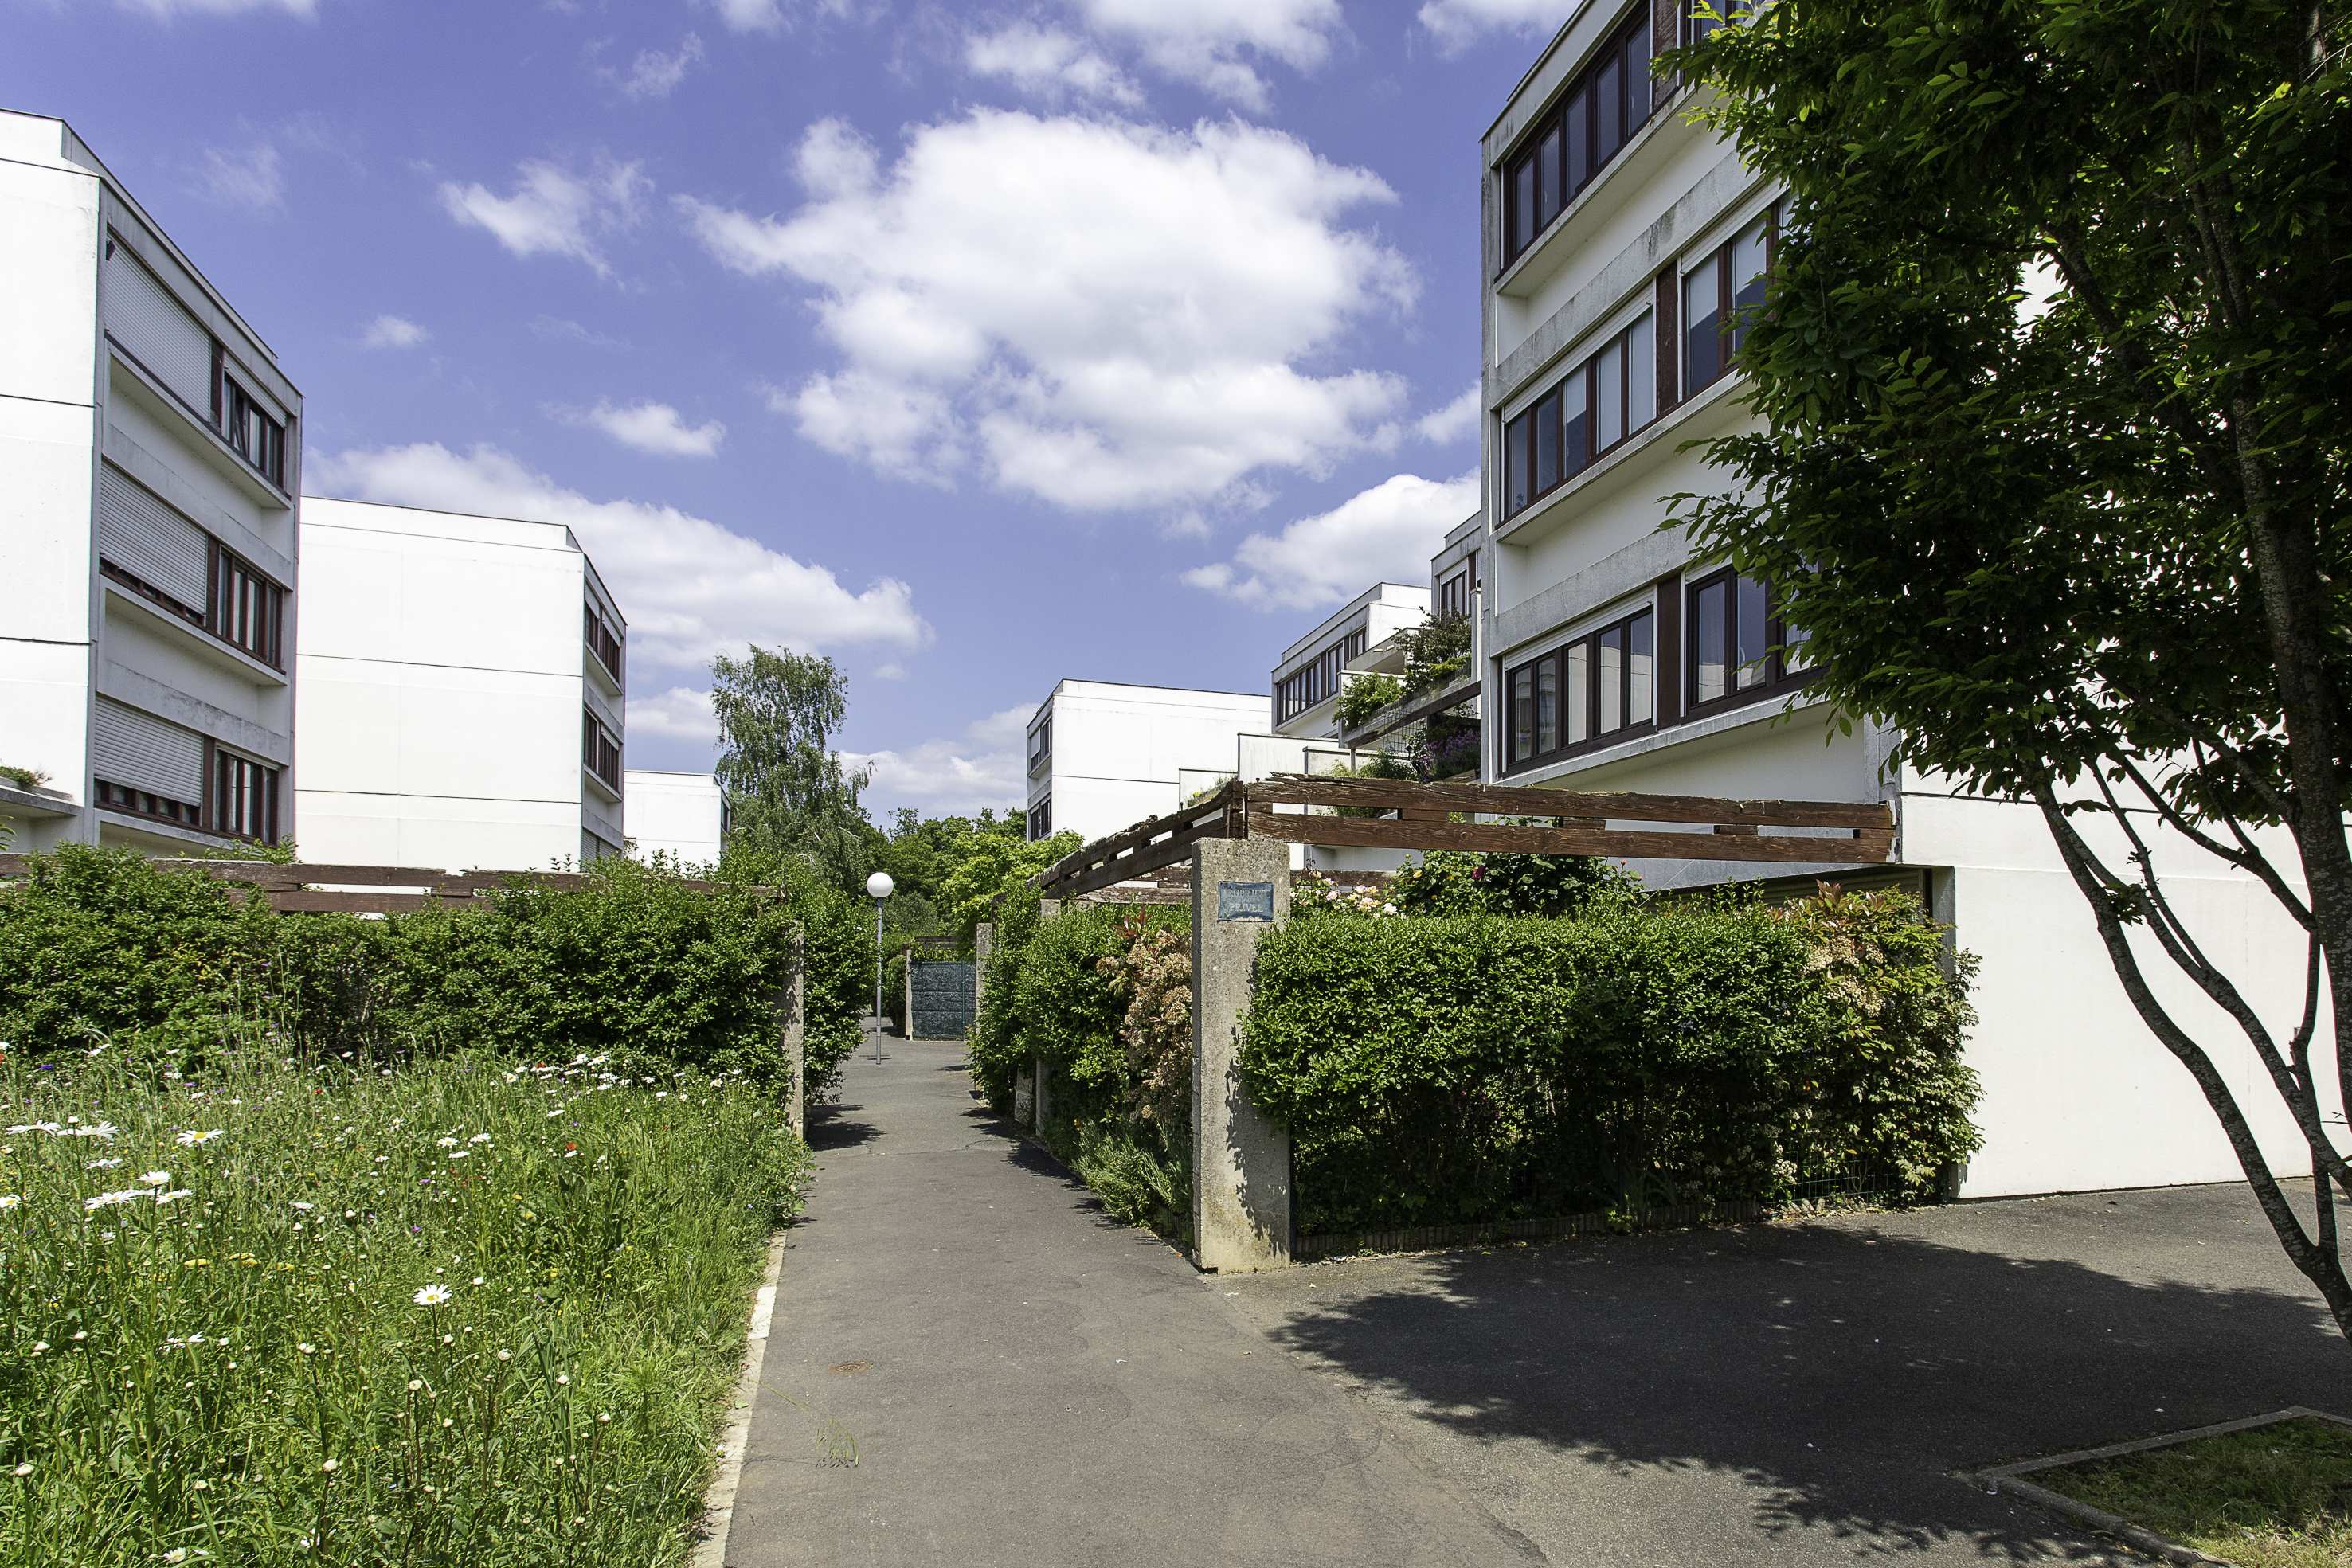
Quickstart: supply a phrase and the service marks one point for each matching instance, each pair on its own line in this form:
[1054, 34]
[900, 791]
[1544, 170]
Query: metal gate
[942, 998]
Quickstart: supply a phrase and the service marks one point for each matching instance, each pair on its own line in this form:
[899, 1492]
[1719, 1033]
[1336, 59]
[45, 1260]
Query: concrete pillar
[1040, 1103]
[795, 1010]
[1241, 1160]
[906, 987]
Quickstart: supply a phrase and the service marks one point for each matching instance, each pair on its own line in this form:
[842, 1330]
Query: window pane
[1547, 442]
[1795, 653]
[1642, 371]
[1750, 629]
[1608, 112]
[1580, 146]
[1612, 647]
[1523, 203]
[1546, 178]
[1609, 396]
[1579, 692]
[1548, 706]
[1641, 696]
[1707, 611]
[1576, 426]
[1703, 329]
[1515, 465]
[1522, 712]
[1746, 278]
[1637, 74]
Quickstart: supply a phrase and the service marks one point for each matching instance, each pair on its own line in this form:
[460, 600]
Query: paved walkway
[970, 1366]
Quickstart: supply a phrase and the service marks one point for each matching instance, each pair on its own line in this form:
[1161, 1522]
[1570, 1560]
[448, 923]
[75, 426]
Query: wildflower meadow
[267, 1309]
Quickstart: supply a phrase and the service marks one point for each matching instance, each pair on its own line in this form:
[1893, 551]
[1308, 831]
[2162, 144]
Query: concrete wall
[443, 686]
[677, 814]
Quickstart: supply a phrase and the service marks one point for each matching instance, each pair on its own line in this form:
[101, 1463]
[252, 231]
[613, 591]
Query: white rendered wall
[1118, 749]
[442, 689]
[677, 814]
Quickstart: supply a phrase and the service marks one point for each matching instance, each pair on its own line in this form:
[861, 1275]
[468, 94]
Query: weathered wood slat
[1206, 819]
[310, 901]
[1405, 711]
[1862, 849]
[1136, 864]
[1512, 800]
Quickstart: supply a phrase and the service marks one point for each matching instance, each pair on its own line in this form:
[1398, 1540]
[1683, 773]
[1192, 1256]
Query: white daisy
[190, 1139]
[156, 1178]
[431, 1295]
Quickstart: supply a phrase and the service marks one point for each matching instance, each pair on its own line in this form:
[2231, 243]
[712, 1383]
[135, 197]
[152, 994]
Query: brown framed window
[1041, 820]
[1317, 680]
[145, 803]
[603, 642]
[1699, 26]
[1041, 743]
[1739, 644]
[249, 611]
[1611, 395]
[1458, 592]
[1575, 139]
[1584, 694]
[1720, 295]
[245, 797]
[254, 435]
[600, 751]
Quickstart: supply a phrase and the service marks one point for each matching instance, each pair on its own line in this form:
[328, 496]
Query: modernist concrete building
[681, 815]
[152, 451]
[1356, 639]
[1620, 241]
[1103, 755]
[461, 692]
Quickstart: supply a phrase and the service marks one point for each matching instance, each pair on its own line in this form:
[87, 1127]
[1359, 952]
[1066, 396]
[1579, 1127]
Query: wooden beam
[1872, 848]
[1405, 711]
[1086, 861]
[1515, 801]
[1136, 863]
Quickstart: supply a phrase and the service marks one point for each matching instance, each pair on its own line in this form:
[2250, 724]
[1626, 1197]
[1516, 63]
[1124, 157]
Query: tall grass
[454, 1312]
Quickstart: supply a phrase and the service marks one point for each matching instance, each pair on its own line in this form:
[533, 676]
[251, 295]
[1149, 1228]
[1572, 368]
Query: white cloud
[680, 713]
[165, 10]
[653, 428]
[1049, 63]
[554, 211]
[1127, 333]
[1452, 422]
[252, 177]
[655, 75]
[1385, 533]
[1209, 42]
[893, 671]
[775, 16]
[563, 330]
[688, 587]
[986, 766]
[393, 332]
[1458, 23]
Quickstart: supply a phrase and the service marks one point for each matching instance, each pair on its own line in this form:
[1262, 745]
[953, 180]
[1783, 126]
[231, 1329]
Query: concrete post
[906, 986]
[1041, 1102]
[795, 1009]
[1241, 1160]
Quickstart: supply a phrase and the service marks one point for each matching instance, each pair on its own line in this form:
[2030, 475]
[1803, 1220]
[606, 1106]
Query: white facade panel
[681, 815]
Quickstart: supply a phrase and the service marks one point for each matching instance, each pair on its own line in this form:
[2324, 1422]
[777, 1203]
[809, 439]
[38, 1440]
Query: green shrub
[1365, 696]
[995, 1051]
[1475, 1067]
[1457, 882]
[103, 944]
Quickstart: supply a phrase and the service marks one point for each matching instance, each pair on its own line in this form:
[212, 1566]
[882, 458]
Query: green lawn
[2270, 1497]
[259, 1312]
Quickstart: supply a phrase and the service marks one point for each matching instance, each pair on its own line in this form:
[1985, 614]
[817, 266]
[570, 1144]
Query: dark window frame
[1458, 591]
[1576, 456]
[1729, 331]
[252, 431]
[599, 749]
[225, 573]
[109, 796]
[1041, 820]
[238, 784]
[609, 647]
[1041, 743]
[1589, 698]
[1582, 96]
[1779, 677]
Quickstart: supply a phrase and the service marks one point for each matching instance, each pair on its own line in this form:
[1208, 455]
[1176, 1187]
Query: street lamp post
[878, 887]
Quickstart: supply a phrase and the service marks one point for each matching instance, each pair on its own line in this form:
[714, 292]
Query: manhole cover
[850, 1368]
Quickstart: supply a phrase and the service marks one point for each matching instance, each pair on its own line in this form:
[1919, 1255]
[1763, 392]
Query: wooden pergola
[1384, 813]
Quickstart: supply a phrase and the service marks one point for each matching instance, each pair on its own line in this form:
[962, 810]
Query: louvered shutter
[140, 535]
[140, 751]
[145, 318]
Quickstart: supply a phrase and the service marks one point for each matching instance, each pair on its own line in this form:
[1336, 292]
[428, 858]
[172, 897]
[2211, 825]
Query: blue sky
[973, 346]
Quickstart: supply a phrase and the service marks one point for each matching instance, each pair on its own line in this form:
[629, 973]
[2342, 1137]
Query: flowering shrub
[261, 1311]
[1472, 1067]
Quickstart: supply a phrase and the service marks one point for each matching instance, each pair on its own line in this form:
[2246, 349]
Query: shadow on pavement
[1838, 1373]
[833, 1126]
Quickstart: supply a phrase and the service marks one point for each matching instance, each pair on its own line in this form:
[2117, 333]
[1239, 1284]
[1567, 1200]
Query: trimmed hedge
[102, 943]
[1477, 1068]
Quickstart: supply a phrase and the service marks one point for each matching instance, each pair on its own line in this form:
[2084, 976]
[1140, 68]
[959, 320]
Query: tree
[789, 794]
[998, 864]
[2052, 379]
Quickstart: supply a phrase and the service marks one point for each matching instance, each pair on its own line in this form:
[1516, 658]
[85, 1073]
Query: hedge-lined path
[1024, 1383]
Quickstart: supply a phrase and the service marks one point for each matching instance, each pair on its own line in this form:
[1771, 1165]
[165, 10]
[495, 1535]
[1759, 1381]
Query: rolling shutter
[138, 534]
[145, 318]
[141, 752]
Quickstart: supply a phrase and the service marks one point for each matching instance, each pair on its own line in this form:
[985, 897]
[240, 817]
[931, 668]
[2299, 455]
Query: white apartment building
[1619, 240]
[461, 692]
[1103, 755]
[681, 815]
[1358, 638]
[152, 450]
